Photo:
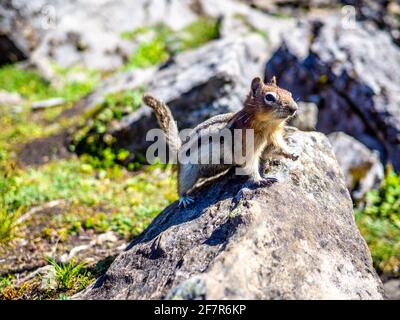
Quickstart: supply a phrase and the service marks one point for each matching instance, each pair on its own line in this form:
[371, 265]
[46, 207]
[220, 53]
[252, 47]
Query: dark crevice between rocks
[42, 150]
[9, 51]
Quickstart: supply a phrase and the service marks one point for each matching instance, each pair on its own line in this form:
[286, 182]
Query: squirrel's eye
[270, 97]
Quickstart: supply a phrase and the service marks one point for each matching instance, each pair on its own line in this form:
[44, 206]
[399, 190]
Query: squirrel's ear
[273, 81]
[255, 84]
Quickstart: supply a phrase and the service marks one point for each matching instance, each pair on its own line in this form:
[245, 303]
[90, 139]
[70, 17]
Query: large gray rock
[84, 32]
[296, 239]
[350, 73]
[306, 117]
[392, 289]
[10, 98]
[361, 167]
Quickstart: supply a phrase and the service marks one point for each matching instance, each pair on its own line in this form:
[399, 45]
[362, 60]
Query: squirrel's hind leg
[185, 201]
[187, 177]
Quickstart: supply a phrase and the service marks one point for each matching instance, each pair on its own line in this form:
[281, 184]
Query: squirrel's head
[270, 101]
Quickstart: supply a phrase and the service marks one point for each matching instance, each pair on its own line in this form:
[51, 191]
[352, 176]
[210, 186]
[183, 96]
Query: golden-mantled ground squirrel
[265, 111]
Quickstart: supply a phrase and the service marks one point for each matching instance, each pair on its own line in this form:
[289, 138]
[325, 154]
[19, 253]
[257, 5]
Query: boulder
[295, 239]
[10, 98]
[349, 73]
[392, 289]
[361, 167]
[306, 116]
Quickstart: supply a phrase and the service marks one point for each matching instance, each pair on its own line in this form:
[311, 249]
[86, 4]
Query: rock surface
[349, 73]
[306, 118]
[383, 14]
[10, 98]
[392, 289]
[361, 166]
[296, 239]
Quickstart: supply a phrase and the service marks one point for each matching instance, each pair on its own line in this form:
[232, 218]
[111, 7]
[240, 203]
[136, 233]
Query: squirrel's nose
[293, 107]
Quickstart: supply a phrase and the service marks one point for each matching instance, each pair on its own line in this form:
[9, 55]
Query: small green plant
[27, 83]
[165, 42]
[77, 81]
[7, 224]
[282, 15]
[149, 53]
[5, 282]
[94, 142]
[63, 296]
[199, 32]
[127, 226]
[378, 218]
[71, 276]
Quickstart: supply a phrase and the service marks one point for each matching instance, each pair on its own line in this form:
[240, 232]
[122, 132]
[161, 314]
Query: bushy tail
[165, 121]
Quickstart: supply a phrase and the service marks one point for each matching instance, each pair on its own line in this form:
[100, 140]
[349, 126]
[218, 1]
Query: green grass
[27, 83]
[77, 81]
[8, 214]
[379, 221]
[30, 85]
[71, 275]
[57, 180]
[128, 203]
[76, 182]
[7, 224]
[199, 32]
[152, 52]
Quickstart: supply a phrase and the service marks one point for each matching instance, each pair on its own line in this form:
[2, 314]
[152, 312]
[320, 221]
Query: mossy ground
[73, 199]
[46, 210]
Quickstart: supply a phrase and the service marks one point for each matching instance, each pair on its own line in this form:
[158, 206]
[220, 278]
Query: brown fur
[266, 119]
[165, 121]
